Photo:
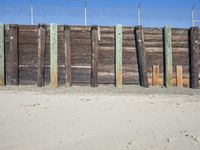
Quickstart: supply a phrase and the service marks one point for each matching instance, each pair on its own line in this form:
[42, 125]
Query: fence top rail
[88, 28]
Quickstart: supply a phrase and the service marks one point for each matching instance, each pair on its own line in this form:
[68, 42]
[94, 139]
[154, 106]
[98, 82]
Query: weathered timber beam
[141, 56]
[41, 55]
[194, 58]
[68, 72]
[14, 54]
[94, 66]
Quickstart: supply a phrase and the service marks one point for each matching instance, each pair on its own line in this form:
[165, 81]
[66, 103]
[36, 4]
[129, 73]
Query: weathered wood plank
[118, 55]
[155, 75]
[68, 72]
[2, 55]
[168, 56]
[179, 76]
[194, 58]
[41, 55]
[94, 68]
[53, 56]
[14, 55]
[141, 56]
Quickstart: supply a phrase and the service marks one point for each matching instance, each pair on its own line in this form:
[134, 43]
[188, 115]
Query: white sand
[83, 118]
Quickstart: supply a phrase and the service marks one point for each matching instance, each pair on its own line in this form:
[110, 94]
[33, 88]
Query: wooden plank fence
[91, 55]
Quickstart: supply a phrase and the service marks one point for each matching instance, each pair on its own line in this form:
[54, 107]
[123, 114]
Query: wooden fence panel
[80, 54]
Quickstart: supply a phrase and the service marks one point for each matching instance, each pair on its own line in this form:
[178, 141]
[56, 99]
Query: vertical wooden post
[179, 76]
[2, 66]
[118, 55]
[14, 56]
[94, 69]
[53, 56]
[141, 56]
[168, 57]
[194, 58]
[67, 56]
[41, 55]
[155, 75]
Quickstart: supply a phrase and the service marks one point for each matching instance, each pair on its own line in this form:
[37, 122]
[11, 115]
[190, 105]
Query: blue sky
[176, 13]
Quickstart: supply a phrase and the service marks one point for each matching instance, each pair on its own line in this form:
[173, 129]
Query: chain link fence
[99, 16]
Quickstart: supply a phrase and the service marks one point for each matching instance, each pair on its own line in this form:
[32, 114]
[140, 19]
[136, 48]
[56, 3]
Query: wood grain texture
[94, 66]
[41, 55]
[14, 55]
[179, 76]
[81, 54]
[194, 58]
[68, 72]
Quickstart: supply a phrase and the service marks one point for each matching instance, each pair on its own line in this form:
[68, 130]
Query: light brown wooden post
[68, 72]
[179, 76]
[155, 75]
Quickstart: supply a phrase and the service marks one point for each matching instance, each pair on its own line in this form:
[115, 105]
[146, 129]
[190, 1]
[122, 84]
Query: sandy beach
[103, 118]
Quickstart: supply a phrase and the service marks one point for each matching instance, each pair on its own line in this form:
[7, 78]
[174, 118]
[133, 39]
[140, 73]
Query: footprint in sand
[85, 100]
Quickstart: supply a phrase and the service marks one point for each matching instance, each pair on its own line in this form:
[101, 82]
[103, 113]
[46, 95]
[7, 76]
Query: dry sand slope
[104, 118]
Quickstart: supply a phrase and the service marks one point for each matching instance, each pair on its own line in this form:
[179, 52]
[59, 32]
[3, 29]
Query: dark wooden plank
[94, 66]
[14, 53]
[68, 72]
[141, 56]
[41, 55]
[194, 58]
